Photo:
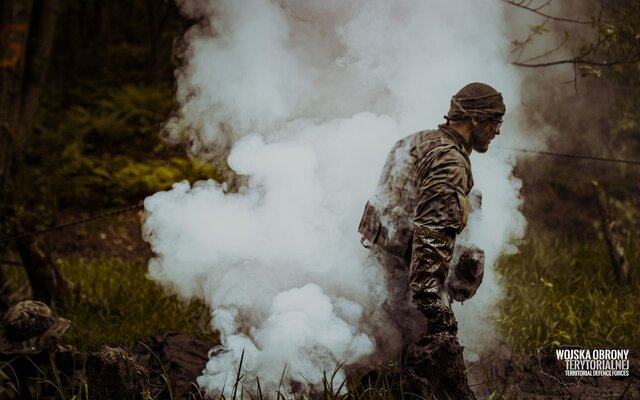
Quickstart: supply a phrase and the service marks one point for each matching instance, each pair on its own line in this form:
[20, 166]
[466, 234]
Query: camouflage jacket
[421, 204]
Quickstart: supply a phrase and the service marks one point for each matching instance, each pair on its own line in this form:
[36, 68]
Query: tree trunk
[614, 244]
[41, 36]
[26, 41]
[47, 282]
[5, 292]
[14, 24]
[154, 39]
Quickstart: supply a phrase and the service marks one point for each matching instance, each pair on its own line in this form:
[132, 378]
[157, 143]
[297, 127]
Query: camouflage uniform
[410, 225]
[420, 205]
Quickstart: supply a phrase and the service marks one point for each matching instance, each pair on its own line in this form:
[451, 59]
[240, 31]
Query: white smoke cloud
[310, 96]
[494, 228]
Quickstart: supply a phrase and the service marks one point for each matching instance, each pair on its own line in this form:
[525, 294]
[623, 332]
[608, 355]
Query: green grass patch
[564, 291]
[118, 305]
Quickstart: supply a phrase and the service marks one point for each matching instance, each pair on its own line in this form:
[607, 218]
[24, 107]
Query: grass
[118, 305]
[564, 292]
[383, 387]
[384, 383]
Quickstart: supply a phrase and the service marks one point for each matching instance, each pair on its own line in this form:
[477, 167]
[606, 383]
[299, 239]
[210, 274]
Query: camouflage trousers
[432, 361]
[399, 307]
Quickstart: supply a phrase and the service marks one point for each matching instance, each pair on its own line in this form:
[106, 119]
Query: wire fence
[74, 222]
[140, 205]
[571, 155]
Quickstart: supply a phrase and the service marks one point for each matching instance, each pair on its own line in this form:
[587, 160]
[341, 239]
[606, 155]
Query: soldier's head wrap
[30, 327]
[476, 100]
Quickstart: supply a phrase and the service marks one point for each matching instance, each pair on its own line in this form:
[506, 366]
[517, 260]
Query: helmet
[30, 327]
[476, 100]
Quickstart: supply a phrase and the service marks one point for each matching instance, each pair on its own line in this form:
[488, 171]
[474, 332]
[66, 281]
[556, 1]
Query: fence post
[614, 244]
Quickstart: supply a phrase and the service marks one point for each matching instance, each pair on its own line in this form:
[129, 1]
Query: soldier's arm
[441, 213]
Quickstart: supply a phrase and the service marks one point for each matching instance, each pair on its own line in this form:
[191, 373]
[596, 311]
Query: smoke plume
[307, 98]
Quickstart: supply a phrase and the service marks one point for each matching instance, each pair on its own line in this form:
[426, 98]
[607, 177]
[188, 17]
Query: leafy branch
[615, 40]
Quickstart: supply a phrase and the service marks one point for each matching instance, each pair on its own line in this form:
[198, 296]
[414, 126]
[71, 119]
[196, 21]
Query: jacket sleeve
[441, 213]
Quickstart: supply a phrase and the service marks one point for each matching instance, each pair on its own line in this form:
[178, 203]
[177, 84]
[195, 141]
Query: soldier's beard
[479, 139]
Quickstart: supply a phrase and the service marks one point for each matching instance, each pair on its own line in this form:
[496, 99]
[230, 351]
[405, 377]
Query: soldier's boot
[433, 363]
[434, 368]
[440, 318]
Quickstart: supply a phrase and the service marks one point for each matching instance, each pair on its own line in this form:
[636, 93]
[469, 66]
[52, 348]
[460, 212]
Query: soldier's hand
[466, 276]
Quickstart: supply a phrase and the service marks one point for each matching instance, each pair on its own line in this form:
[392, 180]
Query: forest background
[87, 85]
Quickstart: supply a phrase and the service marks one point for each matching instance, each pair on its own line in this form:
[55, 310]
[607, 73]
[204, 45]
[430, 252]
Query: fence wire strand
[140, 204]
[570, 155]
[71, 223]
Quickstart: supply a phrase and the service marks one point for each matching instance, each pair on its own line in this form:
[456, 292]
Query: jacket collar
[456, 137]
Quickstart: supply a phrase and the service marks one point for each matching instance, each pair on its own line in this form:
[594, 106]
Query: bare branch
[575, 79]
[536, 10]
[579, 61]
[613, 43]
[566, 39]
[519, 45]
[543, 5]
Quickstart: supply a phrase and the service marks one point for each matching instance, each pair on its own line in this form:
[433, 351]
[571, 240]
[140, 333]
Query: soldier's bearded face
[482, 134]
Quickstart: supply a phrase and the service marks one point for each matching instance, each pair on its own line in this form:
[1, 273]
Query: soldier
[410, 225]
[30, 343]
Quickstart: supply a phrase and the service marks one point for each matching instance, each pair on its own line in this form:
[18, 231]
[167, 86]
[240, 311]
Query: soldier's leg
[399, 306]
[434, 365]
